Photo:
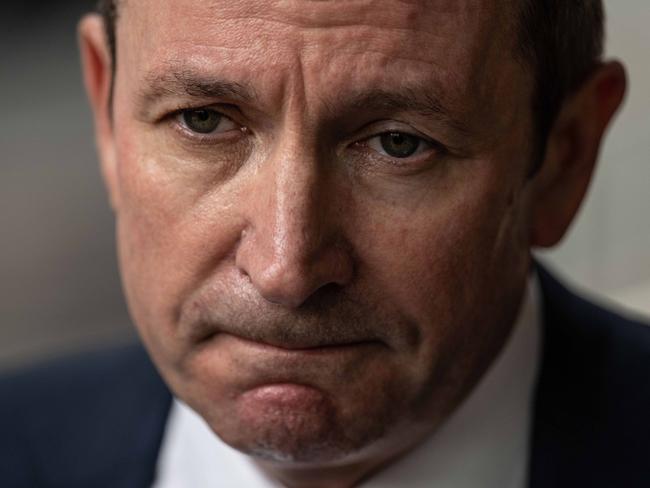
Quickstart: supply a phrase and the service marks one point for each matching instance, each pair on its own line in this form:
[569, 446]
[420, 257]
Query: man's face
[322, 211]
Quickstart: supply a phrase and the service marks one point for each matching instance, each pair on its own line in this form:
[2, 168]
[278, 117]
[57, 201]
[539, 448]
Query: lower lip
[287, 403]
[285, 395]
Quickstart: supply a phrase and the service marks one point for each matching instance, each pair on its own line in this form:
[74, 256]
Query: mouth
[289, 370]
[323, 348]
[291, 346]
[255, 363]
[280, 337]
[235, 363]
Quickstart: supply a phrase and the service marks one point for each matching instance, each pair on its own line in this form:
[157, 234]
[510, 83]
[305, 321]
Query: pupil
[399, 144]
[202, 121]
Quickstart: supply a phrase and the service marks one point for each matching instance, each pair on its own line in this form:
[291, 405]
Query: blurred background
[59, 287]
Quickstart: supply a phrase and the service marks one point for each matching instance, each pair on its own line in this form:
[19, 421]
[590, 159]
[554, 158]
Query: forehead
[419, 18]
[327, 44]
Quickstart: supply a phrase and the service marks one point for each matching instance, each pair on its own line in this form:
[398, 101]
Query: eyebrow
[189, 83]
[192, 83]
[419, 101]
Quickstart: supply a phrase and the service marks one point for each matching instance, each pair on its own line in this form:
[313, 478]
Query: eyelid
[383, 126]
[175, 119]
[179, 115]
[428, 145]
[378, 128]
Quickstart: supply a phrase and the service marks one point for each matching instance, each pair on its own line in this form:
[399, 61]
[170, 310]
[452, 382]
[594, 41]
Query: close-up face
[323, 211]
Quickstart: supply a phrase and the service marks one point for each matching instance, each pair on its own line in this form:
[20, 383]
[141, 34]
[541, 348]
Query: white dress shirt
[483, 444]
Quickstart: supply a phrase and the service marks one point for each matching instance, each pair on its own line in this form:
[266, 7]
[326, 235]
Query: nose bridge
[296, 214]
[290, 177]
[291, 247]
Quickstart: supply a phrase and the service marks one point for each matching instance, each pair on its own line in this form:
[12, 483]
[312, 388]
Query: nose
[293, 245]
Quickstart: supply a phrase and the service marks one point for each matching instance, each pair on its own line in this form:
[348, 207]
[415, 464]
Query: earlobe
[572, 151]
[97, 77]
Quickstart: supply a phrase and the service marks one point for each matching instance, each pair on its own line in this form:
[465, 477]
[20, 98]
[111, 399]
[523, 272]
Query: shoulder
[74, 417]
[65, 381]
[608, 350]
[593, 394]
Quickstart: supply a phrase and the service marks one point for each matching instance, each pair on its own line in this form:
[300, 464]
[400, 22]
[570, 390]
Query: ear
[571, 152]
[97, 75]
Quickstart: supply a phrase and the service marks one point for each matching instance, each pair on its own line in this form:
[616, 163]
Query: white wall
[608, 250]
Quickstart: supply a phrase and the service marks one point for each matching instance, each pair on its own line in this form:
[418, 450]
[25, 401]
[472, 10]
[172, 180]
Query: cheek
[442, 252]
[454, 268]
[148, 242]
[170, 227]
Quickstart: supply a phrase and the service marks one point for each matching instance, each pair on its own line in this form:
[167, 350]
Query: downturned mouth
[305, 346]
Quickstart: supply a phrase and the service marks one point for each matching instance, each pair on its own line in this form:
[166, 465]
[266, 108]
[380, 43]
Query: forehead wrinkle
[424, 23]
[398, 16]
[403, 16]
[390, 14]
[458, 82]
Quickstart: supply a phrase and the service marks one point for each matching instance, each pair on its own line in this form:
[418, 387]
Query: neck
[347, 473]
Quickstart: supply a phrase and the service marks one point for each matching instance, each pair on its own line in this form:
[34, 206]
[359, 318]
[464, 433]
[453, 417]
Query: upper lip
[199, 321]
[279, 336]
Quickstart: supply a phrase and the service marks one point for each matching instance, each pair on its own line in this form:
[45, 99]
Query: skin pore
[323, 227]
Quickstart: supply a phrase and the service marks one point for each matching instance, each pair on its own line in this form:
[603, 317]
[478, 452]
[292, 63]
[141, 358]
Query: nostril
[285, 283]
[290, 273]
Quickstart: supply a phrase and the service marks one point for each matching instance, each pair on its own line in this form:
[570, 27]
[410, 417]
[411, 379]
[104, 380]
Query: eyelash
[206, 138]
[433, 147]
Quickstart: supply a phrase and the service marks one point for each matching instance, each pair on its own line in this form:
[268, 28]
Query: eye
[205, 121]
[398, 144]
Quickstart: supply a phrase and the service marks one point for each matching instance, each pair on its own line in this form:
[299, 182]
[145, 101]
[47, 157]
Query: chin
[296, 425]
[309, 445]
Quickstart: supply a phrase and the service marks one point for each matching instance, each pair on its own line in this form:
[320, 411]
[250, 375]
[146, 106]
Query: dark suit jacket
[97, 421]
